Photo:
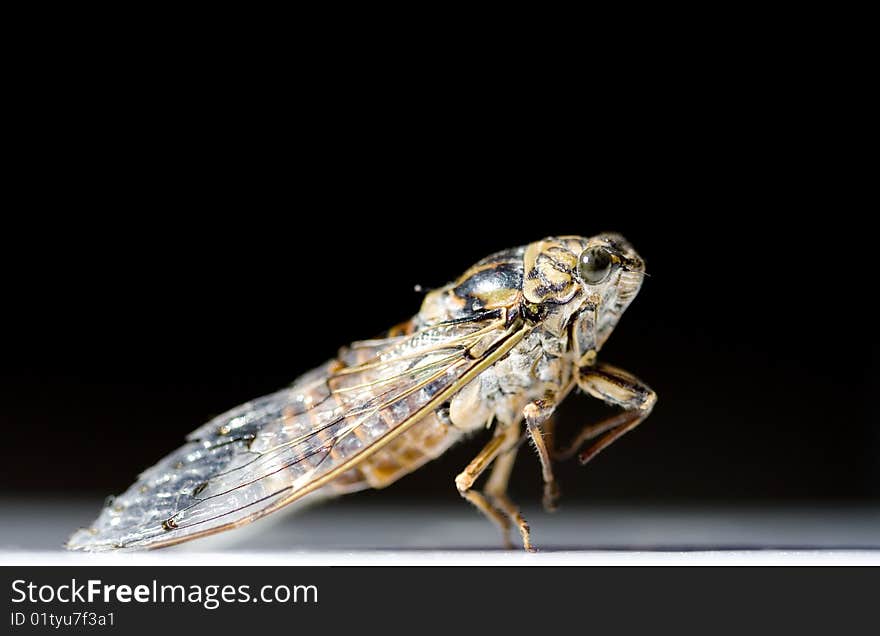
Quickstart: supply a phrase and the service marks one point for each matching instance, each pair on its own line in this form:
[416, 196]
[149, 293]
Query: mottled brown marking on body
[499, 298]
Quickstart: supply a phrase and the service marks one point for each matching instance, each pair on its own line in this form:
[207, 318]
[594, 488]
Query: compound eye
[594, 265]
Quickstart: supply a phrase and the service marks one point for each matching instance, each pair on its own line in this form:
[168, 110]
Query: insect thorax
[496, 284]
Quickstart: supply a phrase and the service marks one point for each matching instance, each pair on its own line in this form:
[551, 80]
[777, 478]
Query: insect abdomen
[426, 440]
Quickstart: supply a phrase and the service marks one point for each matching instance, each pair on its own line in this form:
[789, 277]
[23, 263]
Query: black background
[170, 254]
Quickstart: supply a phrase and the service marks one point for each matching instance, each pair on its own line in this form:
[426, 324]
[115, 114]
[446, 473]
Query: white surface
[437, 558]
[352, 533]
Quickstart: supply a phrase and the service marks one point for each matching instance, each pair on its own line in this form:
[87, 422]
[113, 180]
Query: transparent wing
[268, 453]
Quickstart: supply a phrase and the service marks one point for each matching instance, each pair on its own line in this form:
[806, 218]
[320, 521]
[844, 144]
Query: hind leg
[496, 490]
[500, 450]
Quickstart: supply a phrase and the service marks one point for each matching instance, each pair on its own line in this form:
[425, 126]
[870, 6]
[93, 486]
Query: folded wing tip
[88, 540]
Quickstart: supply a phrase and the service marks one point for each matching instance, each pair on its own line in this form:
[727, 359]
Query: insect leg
[616, 387]
[464, 481]
[496, 490]
[536, 414]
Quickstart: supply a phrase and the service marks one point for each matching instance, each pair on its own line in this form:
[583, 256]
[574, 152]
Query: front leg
[616, 387]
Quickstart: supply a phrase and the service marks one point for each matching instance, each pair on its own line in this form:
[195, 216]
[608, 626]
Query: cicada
[498, 348]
